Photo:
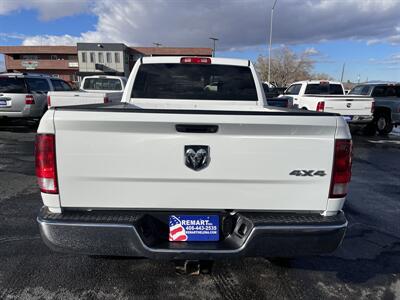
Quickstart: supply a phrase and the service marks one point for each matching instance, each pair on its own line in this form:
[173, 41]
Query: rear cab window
[60, 85]
[386, 91]
[323, 89]
[38, 84]
[13, 85]
[194, 82]
[102, 84]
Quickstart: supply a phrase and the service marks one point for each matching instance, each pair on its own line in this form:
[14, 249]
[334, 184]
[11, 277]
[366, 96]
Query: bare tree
[287, 67]
[321, 76]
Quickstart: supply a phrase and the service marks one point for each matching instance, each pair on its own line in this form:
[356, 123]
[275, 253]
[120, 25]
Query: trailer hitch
[193, 267]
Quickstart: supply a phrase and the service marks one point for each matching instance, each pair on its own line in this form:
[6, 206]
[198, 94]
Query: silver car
[25, 95]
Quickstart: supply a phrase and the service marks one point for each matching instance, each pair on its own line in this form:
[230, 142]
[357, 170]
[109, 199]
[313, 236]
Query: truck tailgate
[136, 160]
[58, 99]
[348, 106]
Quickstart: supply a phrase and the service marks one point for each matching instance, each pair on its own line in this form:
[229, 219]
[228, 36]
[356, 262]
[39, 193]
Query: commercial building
[59, 61]
[72, 62]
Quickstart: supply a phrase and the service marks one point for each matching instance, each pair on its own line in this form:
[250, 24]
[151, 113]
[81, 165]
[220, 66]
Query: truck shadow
[364, 254]
[18, 125]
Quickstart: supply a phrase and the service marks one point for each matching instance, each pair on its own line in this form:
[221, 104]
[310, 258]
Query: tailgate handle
[196, 128]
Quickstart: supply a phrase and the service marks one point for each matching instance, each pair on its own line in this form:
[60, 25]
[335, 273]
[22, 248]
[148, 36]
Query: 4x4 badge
[310, 173]
[197, 157]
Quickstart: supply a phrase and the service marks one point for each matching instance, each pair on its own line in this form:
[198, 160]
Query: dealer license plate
[191, 228]
[3, 103]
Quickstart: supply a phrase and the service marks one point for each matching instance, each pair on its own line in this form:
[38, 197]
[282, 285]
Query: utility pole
[157, 44]
[214, 40]
[270, 43]
[341, 78]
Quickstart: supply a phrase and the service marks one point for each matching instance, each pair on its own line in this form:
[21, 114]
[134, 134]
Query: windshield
[102, 84]
[194, 81]
[324, 89]
[12, 85]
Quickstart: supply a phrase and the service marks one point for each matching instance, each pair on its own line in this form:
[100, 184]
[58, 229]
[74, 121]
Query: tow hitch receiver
[193, 267]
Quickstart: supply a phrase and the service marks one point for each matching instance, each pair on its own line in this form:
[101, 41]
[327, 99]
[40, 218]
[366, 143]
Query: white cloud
[52, 40]
[237, 23]
[391, 61]
[396, 56]
[48, 9]
[311, 51]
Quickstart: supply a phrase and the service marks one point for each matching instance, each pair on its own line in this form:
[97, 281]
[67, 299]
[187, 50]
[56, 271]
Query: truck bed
[73, 98]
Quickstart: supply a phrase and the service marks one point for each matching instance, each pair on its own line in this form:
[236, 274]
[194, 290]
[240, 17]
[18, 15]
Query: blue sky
[366, 40]
[369, 62]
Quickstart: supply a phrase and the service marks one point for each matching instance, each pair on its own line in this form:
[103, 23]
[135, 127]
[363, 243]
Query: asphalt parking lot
[367, 266]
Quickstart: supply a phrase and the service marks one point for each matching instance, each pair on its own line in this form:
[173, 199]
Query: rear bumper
[25, 113]
[361, 120]
[140, 234]
[396, 118]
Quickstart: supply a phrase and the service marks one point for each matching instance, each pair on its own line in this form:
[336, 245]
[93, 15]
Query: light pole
[341, 77]
[270, 43]
[214, 40]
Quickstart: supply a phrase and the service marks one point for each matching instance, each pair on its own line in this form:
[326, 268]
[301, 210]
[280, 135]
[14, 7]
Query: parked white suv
[25, 95]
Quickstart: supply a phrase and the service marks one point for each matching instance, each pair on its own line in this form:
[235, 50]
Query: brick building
[60, 61]
[72, 62]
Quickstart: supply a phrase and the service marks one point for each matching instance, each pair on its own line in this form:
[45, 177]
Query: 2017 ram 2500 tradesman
[182, 171]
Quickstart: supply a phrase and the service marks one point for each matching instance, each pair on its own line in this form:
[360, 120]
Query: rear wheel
[383, 123]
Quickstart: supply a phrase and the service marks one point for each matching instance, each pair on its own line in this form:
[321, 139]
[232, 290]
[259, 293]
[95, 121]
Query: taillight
[48, 101]
[106, 100]
[341, 172]
[373, 107]
[29, 99]
[321, 106]
[195, 60]
[45, 156]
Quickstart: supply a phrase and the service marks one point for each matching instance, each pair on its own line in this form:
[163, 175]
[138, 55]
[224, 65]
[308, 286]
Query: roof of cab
[177, 60]
[104, 76]
[19, 74]
[317, 82]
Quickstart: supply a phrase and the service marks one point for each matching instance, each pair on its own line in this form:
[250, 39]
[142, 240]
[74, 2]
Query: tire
[383, 123]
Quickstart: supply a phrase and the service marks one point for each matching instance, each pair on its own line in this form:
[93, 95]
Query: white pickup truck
[329, 96]
[93, 89]
[181, 171]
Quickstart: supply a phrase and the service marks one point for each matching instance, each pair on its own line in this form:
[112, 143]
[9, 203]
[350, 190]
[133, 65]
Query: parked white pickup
[177, 161]
[328, 96]
[93, 89]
